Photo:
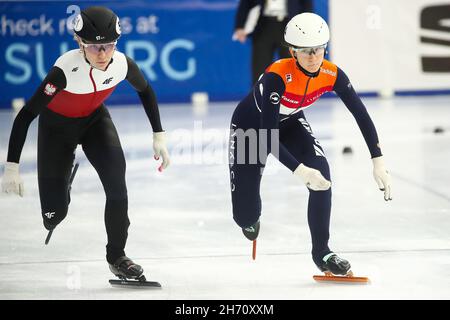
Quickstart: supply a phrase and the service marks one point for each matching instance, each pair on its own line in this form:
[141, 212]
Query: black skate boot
[331, 263]
[337, 270]
[50, 227]
[251, 233]
[130, 274]
[125, 268]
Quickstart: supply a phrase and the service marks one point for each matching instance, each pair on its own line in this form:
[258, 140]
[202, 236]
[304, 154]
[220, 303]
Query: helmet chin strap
[306, 72]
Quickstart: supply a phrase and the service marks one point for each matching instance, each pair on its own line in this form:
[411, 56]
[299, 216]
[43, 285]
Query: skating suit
[275, 104]
[70, 104]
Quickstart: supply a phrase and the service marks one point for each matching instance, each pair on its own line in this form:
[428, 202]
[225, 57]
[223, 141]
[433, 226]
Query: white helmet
[306, 30]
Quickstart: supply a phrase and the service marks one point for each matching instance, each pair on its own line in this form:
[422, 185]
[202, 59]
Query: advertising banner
[385, 46]
[181, 46]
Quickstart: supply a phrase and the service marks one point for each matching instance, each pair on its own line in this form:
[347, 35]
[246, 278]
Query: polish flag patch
[49, 89]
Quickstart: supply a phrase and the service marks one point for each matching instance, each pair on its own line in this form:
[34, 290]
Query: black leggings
[57, 140]
[297, 136]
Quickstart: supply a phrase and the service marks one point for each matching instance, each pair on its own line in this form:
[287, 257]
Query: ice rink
[183, 234]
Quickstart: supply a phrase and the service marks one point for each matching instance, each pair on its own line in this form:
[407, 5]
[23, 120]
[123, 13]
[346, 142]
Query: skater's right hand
[11, 182]
[313, 179]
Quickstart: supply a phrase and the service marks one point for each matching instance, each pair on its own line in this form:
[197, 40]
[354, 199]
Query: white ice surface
[182, 230]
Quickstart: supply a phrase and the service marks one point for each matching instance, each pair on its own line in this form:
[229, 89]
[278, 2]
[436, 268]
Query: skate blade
[49, 235]
[74, 171]
[349, 278]
[134, 284]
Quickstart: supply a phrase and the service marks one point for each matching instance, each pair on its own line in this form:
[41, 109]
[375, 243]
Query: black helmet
[97, 25]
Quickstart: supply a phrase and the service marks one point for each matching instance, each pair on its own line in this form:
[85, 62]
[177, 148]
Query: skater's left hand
[382, 177]
[160, 149]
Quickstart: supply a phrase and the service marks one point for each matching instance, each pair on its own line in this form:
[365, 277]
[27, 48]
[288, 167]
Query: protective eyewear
[319, 50]
[95, 48]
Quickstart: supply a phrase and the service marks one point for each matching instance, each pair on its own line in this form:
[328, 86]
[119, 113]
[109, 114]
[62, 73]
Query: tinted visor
[95, 48]
[319, 50]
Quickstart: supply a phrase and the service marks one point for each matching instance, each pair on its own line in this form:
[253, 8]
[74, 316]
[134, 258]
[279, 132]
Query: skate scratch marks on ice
[192, 310]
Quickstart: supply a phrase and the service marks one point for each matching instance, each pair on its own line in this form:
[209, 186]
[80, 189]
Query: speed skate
[130, 274]
[337, 269]
[139, 282]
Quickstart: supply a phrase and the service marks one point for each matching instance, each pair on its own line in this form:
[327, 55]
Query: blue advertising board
[182, 46]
